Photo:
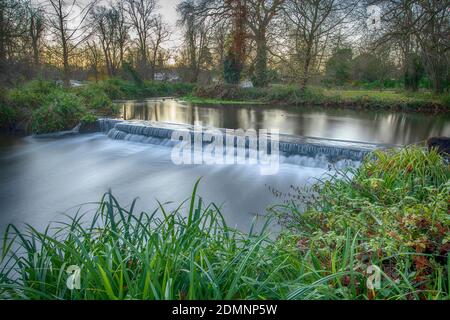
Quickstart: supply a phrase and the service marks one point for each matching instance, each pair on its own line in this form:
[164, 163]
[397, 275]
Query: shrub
[395, 209]
[95, 98]
[33, 94]
[62, 111]
[8, 116]
[279, 94]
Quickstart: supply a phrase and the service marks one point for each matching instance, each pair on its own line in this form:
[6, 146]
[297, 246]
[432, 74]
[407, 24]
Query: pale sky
[168, 10]
[166, 7]
[169, 13]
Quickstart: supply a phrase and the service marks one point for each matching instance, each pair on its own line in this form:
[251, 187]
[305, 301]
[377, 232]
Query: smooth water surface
[342, 124]
[42, 177]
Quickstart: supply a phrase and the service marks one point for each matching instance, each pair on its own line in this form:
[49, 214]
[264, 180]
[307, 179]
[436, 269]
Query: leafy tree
[339, 66]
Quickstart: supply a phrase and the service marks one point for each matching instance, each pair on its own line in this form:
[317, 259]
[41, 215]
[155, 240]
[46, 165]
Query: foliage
[338, 67]
[232, 69]
[395, 207]
[93, 97]
[62, 111]
[276, 94]
[8, 116]
[32, 95]
[117, 89]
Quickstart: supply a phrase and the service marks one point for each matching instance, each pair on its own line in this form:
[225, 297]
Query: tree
[420, 28]
[111, 30]
[94, 56]
[259, 18]
[234, 11]
[161, 34]
[338, 67]
[36, 27]
[196, 29]
[312, 21]
[234, 60]
[11, 30]
[141, 13]
[67, 25]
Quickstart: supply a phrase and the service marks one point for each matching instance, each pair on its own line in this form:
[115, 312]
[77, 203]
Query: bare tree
[141, 13]
[36, 27]
[161, 34]
[111, 30]
[259, 18]
[94, 55]
[311, 21]
[11, 30]
[432, 31]
[419, 28]
[67, 24]
[196, 29]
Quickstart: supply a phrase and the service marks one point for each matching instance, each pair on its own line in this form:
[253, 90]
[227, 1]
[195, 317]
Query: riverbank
[44, 106]
[388, 220]
[424, 102]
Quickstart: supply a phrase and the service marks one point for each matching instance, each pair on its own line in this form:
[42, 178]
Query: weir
[160, 133]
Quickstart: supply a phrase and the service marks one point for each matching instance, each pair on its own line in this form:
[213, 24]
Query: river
[43, 177]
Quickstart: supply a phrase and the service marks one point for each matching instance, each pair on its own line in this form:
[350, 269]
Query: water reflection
[366, 126]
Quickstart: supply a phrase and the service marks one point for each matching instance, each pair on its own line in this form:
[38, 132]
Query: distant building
[246, 84]
[169, 76]
[73, 83]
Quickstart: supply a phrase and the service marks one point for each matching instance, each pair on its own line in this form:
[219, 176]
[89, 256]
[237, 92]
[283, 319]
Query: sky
[169, 13]
[166, 7]
[168, 10]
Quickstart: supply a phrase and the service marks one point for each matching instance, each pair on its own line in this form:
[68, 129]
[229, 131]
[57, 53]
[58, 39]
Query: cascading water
[304, 151]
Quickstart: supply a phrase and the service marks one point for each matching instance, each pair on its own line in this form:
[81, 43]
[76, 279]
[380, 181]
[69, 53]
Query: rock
[441, 144]
[88, 127]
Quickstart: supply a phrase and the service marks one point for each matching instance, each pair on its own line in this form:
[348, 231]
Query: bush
[8, 116]
[278, 94]
[33, 94]
[117, 89]
[62, 111]
[95, 98]
[394, 208]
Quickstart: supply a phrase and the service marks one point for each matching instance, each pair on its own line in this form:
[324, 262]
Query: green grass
[390, 96]
[210, 101]
[391, 213]
[318, 96]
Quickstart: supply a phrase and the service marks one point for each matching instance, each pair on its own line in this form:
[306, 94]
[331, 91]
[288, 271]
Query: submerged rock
[88, 127]
[441, 144]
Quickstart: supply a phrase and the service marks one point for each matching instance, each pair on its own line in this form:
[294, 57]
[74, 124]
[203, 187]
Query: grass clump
[128, 255]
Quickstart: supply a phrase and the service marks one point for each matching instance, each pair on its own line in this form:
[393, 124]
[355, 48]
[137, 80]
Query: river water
[42, 177]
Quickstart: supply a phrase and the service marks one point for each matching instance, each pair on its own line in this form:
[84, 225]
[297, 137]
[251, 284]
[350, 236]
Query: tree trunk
[2, 40]
[261, 79]
[306, 66]
[66, 67]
